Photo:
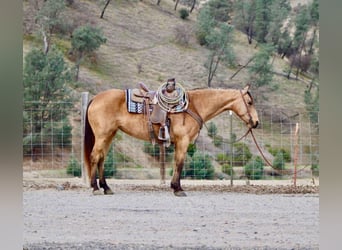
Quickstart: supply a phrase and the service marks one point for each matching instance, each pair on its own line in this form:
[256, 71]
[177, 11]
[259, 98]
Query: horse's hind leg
[97, 163]
[102, 180]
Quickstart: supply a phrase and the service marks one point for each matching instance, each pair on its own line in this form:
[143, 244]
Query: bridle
[250, 130]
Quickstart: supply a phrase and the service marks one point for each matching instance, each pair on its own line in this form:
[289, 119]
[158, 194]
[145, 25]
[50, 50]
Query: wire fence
[52, 145]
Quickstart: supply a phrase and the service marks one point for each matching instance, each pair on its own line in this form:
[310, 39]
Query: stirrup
[163, 133]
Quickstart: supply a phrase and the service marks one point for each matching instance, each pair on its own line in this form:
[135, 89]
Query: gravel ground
[65, 215]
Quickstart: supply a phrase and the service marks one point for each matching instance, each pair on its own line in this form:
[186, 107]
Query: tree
[85, 40]
[261, 69]
[279, 12]
[45, 79]
[244, 19]
[49, 18]
[220, 9]
[220, 46]
[262, 19]
[205, 24]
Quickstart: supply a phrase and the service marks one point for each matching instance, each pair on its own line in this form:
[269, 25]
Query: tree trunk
[244, 66]
[46, 42]
[177, 1]
[158, 2]
[193, 5]
[104, 8]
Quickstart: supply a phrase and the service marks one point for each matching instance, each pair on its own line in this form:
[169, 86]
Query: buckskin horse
[107, 113]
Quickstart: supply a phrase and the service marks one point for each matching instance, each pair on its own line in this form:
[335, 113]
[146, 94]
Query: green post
[231, 147]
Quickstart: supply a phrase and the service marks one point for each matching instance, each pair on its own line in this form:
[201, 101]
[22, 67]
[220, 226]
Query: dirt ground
[63, 214]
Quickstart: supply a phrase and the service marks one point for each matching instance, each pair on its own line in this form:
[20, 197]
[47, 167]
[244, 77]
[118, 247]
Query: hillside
[141, 47]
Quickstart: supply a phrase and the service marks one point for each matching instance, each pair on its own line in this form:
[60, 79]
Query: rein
[256, 143]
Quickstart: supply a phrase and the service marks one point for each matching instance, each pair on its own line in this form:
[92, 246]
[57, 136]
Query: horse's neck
[212, 102]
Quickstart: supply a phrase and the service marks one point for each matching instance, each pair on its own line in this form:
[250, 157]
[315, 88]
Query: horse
[107, 113]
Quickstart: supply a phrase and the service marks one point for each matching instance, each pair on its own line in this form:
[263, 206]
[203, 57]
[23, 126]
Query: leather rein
[251, 132]
[255, 141]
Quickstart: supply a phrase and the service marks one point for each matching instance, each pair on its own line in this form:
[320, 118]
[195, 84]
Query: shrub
[183, 13]
[74, 167]
[222, 158]
[192, 149]
[154, 150]
[217, 140]
[286, 153]
[200, 167]
[241, 154]
[315, 169]
[254, 169]
[278, 162]
[227, 169]
[212, 129]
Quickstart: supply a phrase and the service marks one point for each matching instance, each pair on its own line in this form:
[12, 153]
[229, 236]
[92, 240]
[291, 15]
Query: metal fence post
[84, 104]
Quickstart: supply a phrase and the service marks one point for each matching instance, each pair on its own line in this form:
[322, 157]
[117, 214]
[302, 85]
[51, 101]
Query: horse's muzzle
[252, 124]
[255, 124]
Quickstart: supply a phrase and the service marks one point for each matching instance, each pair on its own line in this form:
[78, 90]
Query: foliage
[217, 140]
[227, 169]
[244, 19]
[219, 9]
[312, 105]
[74, 167]
[241, 154]
[279, 161]
[254, 168]
[222, 158]
[205, 23]
[110, 169]
[183, 13]
[191, 149]
[154, 150]
[49, 16]
[200, 167]
[212, 129]
[286, 153]
[262, 19]
[219, 42]
[85, 40]
[47, 100]
[261, 69]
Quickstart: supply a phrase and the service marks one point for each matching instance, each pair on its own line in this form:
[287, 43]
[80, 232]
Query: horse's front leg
[180, 154]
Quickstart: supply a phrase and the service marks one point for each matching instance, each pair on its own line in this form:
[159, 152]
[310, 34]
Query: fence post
[231, 147]
[84, 104]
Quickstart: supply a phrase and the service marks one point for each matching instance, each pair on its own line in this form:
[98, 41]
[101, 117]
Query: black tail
[89, 140]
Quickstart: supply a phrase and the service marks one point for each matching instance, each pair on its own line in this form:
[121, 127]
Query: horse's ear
[245, 89]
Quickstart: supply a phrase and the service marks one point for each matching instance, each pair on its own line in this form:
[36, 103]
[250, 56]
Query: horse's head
[245, 108]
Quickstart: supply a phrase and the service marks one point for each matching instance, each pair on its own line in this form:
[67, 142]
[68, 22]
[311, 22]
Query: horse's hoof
[97, 192]
[180, 193]
[108, 192]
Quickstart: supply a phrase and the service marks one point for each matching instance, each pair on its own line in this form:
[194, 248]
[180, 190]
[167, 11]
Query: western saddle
[169, 98]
